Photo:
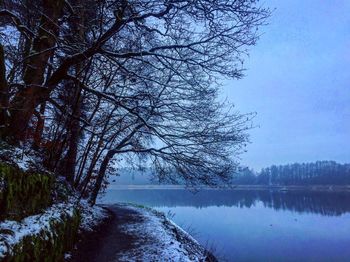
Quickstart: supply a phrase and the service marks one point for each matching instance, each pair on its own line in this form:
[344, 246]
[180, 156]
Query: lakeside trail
[138, 234]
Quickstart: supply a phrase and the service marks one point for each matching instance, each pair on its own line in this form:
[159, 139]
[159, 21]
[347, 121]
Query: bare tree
[127, 78]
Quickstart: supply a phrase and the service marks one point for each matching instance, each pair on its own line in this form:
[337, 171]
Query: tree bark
[75, 131]
[4, 91]
[83, 160]
[39, 127]
[27, 99]
[100, 176]
[74, 128]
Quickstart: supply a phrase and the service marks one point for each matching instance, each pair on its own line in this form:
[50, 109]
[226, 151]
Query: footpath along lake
[255, 225]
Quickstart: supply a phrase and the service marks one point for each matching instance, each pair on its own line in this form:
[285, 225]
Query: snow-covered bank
[44, 225]
[40, 213]
[136, 233]
[13, 232]
[159, 239]
[91, 217]
[41, 218]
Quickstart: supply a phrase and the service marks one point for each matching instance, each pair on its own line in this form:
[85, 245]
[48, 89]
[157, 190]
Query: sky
[298, 82]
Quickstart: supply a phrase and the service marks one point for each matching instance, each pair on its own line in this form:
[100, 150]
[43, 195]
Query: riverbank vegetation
[302, 174]
[40, 216]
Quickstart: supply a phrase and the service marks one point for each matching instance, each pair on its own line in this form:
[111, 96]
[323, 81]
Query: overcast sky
[298, 81]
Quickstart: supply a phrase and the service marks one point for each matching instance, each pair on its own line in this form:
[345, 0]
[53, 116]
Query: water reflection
[324, 203]
[256, 225]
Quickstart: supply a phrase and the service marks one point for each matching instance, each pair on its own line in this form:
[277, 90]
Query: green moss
[136, 205]
[23, 193]
[50, 245]
[26, 193]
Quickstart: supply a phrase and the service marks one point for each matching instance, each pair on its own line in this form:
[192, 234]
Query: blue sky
[298, 82]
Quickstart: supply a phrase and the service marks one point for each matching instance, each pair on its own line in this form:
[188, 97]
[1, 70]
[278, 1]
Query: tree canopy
[90, 82]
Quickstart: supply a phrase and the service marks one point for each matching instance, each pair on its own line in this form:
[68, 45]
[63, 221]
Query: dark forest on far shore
[317, 173]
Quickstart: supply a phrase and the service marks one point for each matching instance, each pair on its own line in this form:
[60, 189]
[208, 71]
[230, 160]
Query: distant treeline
[318, 173]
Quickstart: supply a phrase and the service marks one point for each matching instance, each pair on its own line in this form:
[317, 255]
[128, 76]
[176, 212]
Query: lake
[255, 225]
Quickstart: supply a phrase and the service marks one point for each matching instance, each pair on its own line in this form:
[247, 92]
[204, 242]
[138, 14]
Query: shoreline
[278, 188]
[138, 233]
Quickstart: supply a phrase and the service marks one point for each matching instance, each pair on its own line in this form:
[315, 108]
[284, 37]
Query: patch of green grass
[23, 193]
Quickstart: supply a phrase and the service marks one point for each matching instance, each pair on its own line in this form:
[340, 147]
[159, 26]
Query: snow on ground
[12, 232]
[91, 217]
[160, 238]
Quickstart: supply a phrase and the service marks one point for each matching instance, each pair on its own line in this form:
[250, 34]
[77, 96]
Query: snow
[161, 238]
[23, 157]
[91, 216]
[157, 236]
[12, 232]
[15, 231]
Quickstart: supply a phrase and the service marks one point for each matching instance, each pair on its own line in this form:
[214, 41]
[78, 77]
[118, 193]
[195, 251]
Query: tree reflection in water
[324, 203]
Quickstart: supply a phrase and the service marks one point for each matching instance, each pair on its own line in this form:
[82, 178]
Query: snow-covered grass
[12, 232]
[91, 217]
[160, 238]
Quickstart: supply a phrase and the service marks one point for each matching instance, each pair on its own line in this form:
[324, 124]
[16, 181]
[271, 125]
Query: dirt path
[109, 241]
[138, 234]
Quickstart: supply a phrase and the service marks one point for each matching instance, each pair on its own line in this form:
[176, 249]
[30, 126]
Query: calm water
[256, 226]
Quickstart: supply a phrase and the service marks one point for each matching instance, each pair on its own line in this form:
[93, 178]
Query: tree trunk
[77, 24]
[83, 160]
[4, 91]
[74, 130]
[83, 185]
[39, 127]
[27, 99]
[100, 176]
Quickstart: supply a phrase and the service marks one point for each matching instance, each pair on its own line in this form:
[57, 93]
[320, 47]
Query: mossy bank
[39, 217]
